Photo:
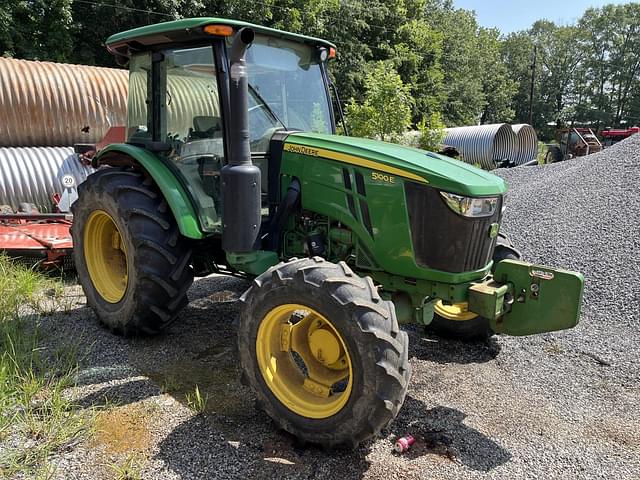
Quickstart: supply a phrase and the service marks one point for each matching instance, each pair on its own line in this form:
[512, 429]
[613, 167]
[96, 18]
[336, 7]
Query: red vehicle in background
[572, 142]
[612, 135]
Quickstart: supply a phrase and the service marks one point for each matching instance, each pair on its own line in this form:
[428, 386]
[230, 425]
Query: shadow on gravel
[253, 453]
[229, 438]
[441, 431]
[121, 394]
[443, 350]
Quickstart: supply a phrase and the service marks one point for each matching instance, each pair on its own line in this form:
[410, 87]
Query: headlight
[469, 206]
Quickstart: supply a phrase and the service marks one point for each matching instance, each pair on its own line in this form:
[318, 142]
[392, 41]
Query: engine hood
[411, 164]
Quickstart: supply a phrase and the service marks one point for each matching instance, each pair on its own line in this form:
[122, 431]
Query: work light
[470, 206]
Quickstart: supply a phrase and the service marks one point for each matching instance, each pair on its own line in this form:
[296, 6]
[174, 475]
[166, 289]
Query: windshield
[286, 90]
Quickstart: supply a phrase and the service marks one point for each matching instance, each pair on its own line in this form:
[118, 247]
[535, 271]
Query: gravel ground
[561, 405]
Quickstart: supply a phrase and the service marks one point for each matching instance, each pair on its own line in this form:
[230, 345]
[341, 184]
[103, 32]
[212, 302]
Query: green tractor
[232, 165]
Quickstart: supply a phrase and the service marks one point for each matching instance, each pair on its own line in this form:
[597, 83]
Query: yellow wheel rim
[457, 311]
[106, 256]
[304, 361]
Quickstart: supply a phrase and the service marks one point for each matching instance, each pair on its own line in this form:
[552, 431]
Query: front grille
[444, 240]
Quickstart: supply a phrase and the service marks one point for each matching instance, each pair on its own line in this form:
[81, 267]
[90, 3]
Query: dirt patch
[624, 434]
[124, 429]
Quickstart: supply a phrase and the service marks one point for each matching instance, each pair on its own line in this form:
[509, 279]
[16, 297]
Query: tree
[36, 29]
[561, 51]
[613, 68]
[517, 55]
[417, 57]
[431, 132]
[463, 90]
[385, 112]
[498, 86]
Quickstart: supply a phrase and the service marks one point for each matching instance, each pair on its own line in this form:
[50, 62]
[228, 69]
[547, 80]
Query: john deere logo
[300, 149]
[493, 230]
[541, 274]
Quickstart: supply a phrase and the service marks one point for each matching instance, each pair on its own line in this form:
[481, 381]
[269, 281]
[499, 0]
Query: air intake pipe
[241, 195]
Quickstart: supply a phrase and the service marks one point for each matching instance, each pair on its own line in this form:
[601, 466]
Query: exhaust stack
[241, 194]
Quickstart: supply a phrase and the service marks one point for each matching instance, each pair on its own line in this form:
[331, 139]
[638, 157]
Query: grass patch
[36, 420]
[196, 401]
[129, 469]
[542, 153]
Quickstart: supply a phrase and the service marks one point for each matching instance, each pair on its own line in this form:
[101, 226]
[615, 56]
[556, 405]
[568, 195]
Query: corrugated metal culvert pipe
[49, 104]
[187, 97]
[33, 175]
[483, 144]
[527, 143]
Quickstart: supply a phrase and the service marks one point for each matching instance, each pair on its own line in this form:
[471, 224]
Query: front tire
[323, 352]
[453, 323]
[472, 329]
[131, 260]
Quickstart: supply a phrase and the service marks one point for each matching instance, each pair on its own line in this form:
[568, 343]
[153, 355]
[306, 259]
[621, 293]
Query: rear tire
[376, 349]
[156, 256]
[554, 154]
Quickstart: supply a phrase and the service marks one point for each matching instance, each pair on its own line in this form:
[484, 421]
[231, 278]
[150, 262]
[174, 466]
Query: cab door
[175, 111]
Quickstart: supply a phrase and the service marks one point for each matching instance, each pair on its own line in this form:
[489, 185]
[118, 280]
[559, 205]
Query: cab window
[192, 126]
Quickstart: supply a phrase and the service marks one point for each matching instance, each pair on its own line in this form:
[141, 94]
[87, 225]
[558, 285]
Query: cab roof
[187, 29]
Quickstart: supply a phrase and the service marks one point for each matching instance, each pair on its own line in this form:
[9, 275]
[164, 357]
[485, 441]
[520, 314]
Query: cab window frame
[156, 99]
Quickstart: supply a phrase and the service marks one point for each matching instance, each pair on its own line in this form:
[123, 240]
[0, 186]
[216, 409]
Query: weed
[196, 401]
[129, 469]
[171, 384]
[553, 348]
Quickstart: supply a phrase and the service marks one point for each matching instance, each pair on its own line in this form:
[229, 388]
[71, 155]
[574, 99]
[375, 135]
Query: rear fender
[120, 154]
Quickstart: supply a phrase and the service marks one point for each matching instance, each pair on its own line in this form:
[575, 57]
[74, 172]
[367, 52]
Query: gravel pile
[584, 215]
[560, 405]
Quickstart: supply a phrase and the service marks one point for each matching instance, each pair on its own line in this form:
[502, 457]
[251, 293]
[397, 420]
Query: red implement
[619, 133]
[42, 239]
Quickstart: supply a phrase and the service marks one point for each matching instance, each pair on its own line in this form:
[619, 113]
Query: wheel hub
[106, 256]
[325, 347]
[456, 311]
[304, 361]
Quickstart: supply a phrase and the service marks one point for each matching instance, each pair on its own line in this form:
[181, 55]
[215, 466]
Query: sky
[510, 16]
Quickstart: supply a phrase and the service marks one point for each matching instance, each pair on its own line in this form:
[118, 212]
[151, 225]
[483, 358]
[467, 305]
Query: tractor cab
[179, 105]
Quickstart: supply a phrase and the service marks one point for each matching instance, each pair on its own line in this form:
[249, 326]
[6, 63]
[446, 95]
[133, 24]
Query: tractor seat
[205, 127]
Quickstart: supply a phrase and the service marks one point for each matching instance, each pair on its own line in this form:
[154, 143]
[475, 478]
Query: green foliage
[318, 123]
[431, 132]
[463, 95]
[37, 29]
[417, 56]
[585, 73]
[385, 112]
[498, 87]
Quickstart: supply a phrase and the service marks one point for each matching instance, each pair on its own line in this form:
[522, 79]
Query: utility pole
[533, 77]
